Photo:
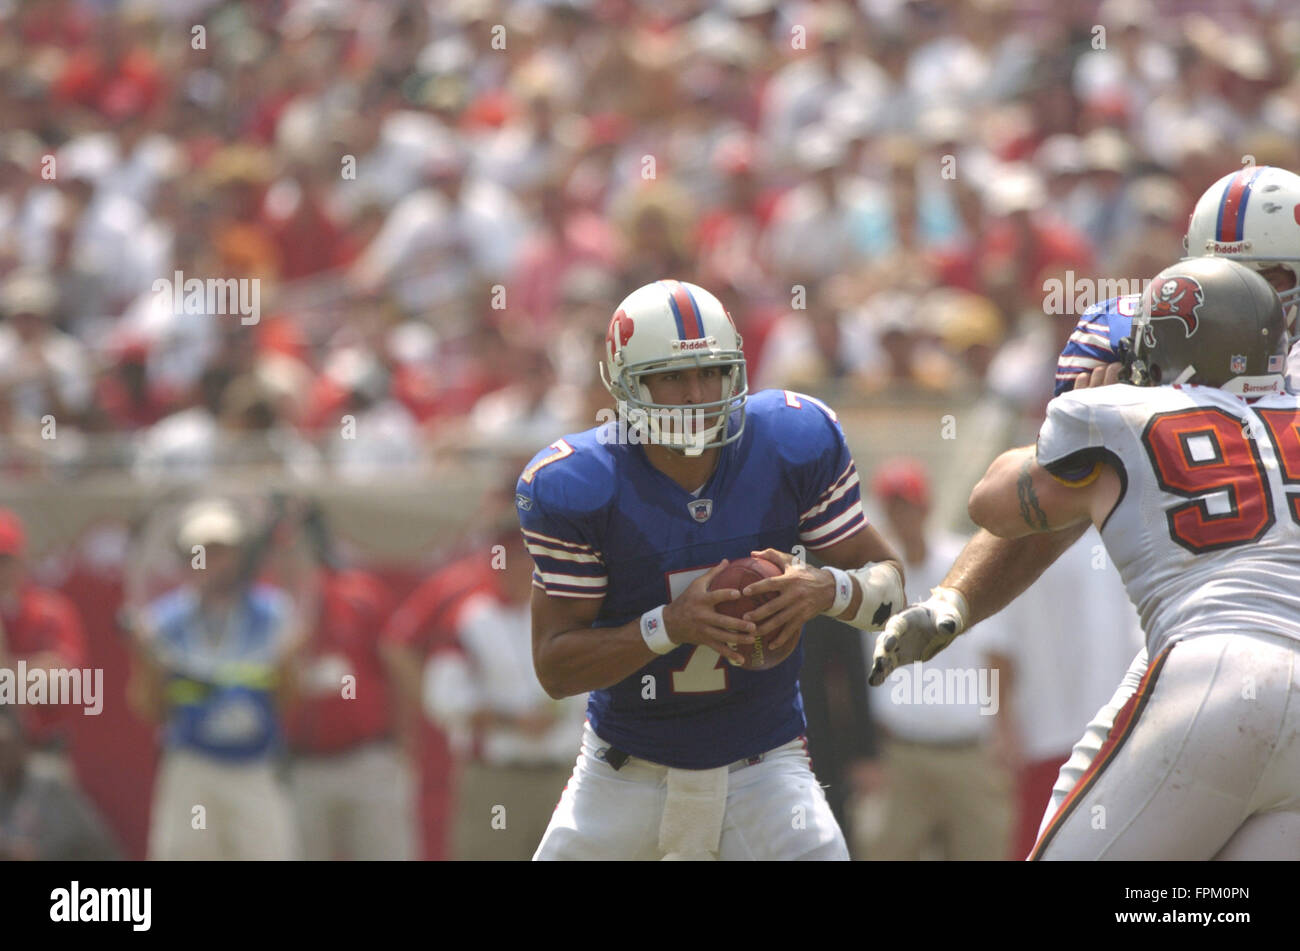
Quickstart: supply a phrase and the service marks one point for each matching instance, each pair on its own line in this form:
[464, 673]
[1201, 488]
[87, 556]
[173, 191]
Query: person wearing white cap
[211, 669]
[43, 371]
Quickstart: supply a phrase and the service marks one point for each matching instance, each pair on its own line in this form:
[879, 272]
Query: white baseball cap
[28, 292]
[210, 522]
[1015, 188]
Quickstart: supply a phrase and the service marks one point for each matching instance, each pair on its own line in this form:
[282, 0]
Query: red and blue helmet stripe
[1232, 206]
[690, 326]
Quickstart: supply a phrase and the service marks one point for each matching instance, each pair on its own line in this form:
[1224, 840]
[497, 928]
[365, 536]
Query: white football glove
[919, 632]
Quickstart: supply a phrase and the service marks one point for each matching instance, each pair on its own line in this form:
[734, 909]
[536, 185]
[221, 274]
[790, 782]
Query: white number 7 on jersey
[703, 672]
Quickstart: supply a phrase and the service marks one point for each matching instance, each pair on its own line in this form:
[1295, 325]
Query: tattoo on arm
[1030, 510]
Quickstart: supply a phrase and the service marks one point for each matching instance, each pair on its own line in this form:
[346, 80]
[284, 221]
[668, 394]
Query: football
[738, 575]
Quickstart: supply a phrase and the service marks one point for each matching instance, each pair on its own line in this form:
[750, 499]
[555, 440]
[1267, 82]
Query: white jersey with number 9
[1206, 534]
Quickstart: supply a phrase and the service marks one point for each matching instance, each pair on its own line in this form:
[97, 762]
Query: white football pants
[1197, 756]
[775, 810]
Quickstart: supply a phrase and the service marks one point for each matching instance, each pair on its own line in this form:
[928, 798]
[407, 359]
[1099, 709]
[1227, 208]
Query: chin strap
[1132, 369]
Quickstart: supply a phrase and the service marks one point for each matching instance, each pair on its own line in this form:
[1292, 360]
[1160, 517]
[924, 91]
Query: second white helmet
[1252, 216]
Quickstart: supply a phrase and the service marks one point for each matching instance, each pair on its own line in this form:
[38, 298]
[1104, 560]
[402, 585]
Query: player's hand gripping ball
[738, 575]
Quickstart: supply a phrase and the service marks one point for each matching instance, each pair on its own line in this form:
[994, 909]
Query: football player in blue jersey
[1252, 216]
[1095, 342]
[687, 753]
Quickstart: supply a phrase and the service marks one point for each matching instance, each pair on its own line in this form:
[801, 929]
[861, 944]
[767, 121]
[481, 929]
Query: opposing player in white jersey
[1191, 476]
[1252, 216]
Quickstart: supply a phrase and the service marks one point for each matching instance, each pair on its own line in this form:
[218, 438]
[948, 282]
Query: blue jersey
[1095, 340]
[601, 522]
[219, 686]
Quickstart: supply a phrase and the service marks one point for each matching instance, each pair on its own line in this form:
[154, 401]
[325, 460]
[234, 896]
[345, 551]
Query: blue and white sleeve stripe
[1088, 347]
[566, 569]
[837, 514]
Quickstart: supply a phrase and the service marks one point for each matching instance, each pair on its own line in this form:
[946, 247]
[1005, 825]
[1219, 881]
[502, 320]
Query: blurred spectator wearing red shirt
[115, 78]
[62, 23]
[42, 628]
[415, 630]
[244, 242]
[1022, 241]
[514, 744]
[730, 234]
[350, 784]
[307, 237]
[566, 238]
[124, 400]
[424, 625]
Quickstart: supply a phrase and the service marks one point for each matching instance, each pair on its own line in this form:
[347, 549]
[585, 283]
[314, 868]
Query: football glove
[919, 632]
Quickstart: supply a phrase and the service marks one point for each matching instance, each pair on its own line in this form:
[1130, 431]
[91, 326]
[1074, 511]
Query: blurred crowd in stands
[443, 202]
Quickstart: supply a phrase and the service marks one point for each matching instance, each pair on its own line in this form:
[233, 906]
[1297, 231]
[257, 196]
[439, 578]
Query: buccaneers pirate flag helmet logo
[1179, 297]
[1208, 321]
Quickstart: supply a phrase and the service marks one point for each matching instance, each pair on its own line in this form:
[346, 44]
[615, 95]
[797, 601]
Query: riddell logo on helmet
[701, 343]
[1234, 247]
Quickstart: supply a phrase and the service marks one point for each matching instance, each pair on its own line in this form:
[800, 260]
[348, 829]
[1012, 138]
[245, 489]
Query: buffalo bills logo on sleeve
[1178, 298]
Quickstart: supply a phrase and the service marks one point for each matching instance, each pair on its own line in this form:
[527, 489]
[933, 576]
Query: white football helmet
[672, 324]
[1252, 216]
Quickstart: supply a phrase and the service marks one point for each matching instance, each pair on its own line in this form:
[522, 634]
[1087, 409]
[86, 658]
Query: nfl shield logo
[1238, 364]
[700, 509]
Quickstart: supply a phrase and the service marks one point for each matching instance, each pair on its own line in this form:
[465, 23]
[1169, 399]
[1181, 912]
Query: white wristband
[655, 633]
[843, 592]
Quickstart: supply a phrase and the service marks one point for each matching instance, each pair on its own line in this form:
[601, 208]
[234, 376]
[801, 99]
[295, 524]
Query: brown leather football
[739, 574]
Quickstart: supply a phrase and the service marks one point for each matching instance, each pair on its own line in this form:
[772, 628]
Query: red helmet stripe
[1232, 206]
[684, 309]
